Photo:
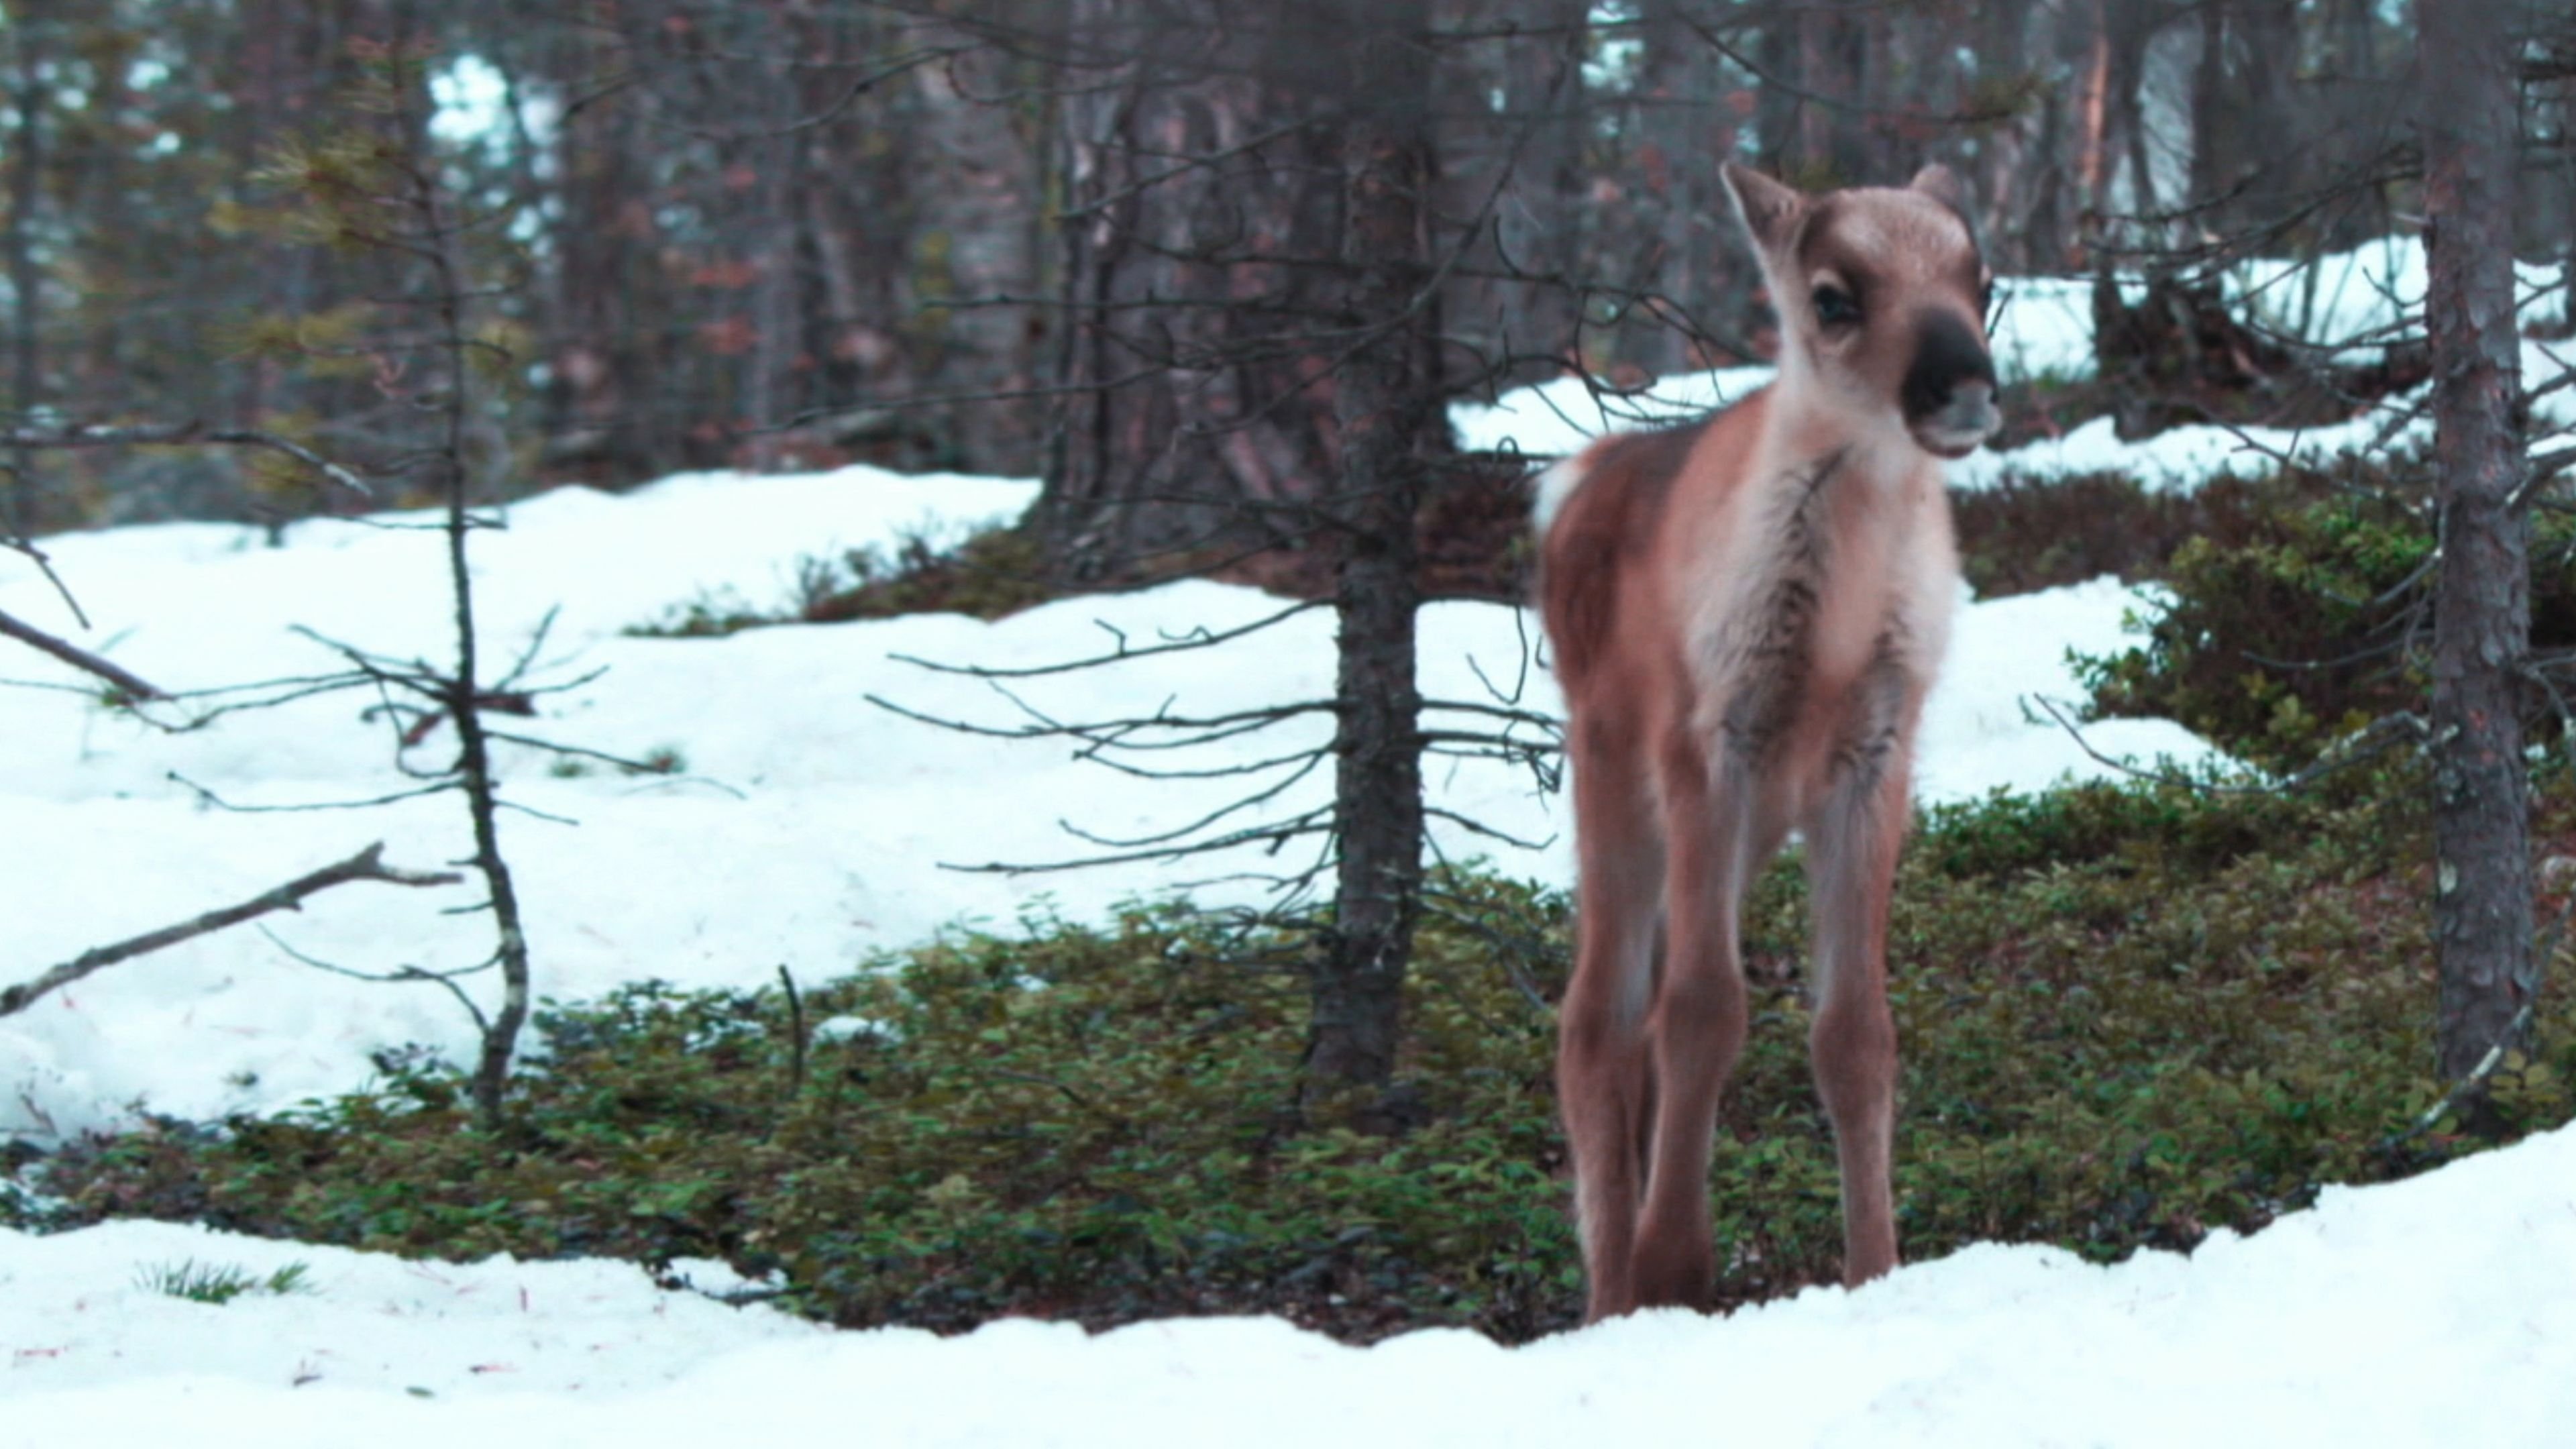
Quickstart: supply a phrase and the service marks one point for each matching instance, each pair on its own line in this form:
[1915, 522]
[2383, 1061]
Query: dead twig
[367, 864]
[795, 1033]
[134, 686]
[398, 975]
[2368, 742]
[179, 435]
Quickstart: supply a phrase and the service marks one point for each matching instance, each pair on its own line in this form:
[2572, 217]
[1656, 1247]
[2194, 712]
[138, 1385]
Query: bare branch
[398, 975]
[209, 797]
[367, 864]
[133, 685]
[1477, 827]
[1199, 638]
[1240, 803]
[1114, 733]
[2368, 742]
[179, 435]
[1275, 834]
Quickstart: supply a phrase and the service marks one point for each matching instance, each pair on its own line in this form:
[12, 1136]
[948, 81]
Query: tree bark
[2482, 605]
[1679, 217]
[2002, 59]
[30, 22]
[974, 218]
[1523, 324]
[1387, 400]
[1833, 64]
[1201, 187]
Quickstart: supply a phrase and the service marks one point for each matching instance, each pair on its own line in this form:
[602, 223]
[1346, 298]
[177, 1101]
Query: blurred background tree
[788, 231]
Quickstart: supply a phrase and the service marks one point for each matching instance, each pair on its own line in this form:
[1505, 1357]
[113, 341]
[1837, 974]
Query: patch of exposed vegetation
[219, 1283]
[2025, 534]
[2299, 621]
[2130, 1016]
[988, 574]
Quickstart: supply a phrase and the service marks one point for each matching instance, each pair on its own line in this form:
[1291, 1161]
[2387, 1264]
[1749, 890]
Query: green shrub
[2129, 1016]
[2308, 622]
[2022, 534]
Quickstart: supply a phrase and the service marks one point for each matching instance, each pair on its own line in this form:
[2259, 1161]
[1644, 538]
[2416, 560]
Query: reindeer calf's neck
[1817, 579]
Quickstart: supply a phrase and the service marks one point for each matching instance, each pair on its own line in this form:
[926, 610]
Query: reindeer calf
[1746, 615]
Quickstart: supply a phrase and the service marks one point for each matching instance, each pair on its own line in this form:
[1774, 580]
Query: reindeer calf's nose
[1971, 411]
[1947, 358]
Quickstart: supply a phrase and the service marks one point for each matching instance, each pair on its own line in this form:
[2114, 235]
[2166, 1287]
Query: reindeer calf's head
[1882, 300]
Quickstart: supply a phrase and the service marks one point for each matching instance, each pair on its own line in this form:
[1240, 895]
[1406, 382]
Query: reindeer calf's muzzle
[1949, 391]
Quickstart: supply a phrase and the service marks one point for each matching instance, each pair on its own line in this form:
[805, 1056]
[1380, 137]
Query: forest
[926, 603]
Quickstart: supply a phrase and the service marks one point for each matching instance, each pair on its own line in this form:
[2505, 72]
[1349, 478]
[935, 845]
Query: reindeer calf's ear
[1942, 184]
[1768, 208]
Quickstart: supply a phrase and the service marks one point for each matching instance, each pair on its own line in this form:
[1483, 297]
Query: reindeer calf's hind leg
[1603, 1086]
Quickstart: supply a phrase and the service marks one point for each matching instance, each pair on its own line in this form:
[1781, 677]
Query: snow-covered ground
[2432, 1312]
[2043, 329]
[809, 827]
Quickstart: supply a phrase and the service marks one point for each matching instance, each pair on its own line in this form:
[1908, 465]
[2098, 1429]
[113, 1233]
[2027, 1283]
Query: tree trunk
[2251, 135]
[1197, 406]
[2482, 601]
[1675, 211]
[2128, 26]
[971, 218]
[1523, 324]
[770, 390]
[2002, 59]
[1833, 61]
[1387, 401]
[29, 23]
[2361, 124]
[604, 423]
[2567, 198]
[2092, 167]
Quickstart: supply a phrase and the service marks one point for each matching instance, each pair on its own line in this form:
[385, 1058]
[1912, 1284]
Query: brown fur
[1626, 479]
[1746, 615]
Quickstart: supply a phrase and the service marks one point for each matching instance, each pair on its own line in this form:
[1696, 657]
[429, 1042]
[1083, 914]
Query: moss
[2129, 1016]
[988, 575]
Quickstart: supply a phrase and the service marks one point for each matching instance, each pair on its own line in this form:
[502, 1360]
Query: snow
[807, 827]
[2426, 1312]
[2043, 329]
[80, 1311]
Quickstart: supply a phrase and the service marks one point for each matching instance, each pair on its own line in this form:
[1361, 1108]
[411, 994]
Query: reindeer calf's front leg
[1851, 862]
[1696, 1030]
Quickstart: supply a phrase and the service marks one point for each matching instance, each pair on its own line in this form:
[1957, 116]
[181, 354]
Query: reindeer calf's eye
[1836, 307]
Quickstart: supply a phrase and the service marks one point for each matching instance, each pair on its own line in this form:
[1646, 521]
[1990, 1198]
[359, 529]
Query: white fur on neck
[1781, 523]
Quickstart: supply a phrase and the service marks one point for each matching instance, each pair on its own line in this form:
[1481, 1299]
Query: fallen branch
[367, 864]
